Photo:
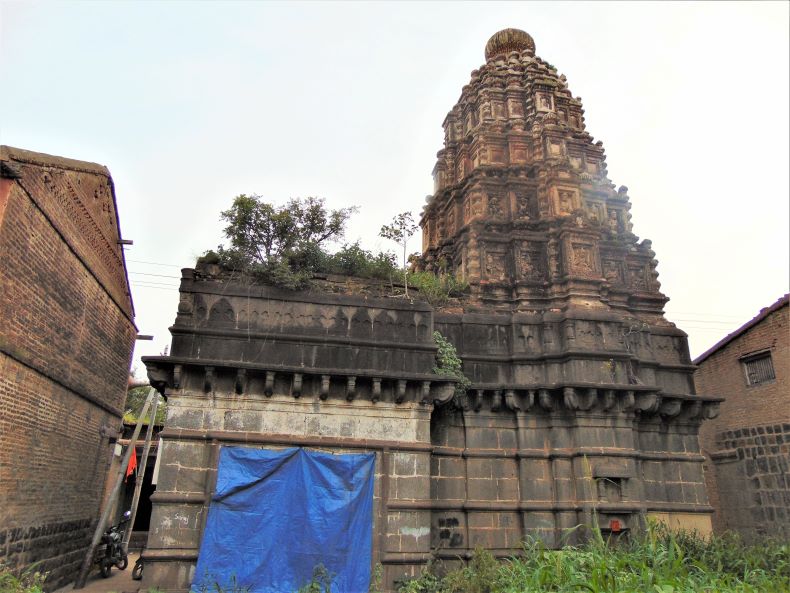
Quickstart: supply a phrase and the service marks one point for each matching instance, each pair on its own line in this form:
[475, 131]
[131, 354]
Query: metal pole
[100, 528]
[138, 483]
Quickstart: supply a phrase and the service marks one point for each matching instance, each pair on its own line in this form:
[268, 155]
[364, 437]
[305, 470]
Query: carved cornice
[644, 401]
[212, 376]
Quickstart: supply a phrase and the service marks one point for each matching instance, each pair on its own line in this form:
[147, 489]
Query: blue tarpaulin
[276, 515]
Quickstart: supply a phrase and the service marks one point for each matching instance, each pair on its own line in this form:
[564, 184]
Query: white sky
[190, 104]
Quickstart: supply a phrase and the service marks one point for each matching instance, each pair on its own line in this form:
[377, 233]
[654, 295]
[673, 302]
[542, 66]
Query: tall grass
[658, 561]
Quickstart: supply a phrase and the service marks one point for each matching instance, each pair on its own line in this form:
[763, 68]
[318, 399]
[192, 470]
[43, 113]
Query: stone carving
[525, 204]
[221, 313]
[495, 266]
[582, 258]
[566, 202]
[636, 278]
[612, 271]
[476, 205]
[451, 228]
[494, 206]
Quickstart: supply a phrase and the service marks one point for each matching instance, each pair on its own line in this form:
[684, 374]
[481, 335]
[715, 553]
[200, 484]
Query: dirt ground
[119, 581]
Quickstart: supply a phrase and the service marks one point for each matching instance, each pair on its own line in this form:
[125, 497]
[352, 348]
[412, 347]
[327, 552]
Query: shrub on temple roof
[285, 246]
[261, 233]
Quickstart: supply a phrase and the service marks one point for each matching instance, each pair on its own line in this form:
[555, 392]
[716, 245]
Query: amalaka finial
[508, 40]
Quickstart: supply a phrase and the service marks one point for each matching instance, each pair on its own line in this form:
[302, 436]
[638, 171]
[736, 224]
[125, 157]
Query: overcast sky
[190, 104]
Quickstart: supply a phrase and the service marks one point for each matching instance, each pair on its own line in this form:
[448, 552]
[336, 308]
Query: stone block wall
[258, 367]
[560, 430]
[752, 479]
[66, 337]
[397, 433]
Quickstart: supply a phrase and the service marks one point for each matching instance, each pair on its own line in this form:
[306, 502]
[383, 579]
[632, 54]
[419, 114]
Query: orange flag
[132, 465]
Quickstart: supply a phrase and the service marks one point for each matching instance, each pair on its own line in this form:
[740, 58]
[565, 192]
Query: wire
[701, 314]
[157, 275]
[153, 263]
[155, 287]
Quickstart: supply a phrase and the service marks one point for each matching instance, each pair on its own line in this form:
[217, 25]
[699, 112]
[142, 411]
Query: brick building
[66, 337]
[748, 446]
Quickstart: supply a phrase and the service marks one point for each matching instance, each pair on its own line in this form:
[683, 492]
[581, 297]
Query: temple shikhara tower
[523, 208]
[581, 409]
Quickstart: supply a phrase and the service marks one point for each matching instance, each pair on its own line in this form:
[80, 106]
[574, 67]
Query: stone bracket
[645, 403]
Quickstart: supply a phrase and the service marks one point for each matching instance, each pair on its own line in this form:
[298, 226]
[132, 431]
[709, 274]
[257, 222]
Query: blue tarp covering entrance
[276, 515]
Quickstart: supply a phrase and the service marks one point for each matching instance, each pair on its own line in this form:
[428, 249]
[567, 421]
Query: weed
[657, 561]
[321, 581]
[28, 581]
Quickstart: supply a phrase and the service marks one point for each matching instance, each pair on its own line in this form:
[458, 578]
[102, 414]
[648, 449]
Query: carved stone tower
[523, 208]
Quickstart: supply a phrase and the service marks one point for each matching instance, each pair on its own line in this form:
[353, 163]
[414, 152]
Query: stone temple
[582, 407]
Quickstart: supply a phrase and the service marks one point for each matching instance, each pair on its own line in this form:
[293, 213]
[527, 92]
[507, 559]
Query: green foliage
[135, 398]
[210, 584]
[400, 230]
[448, 363]
[352, 260]
[28, 581]
[261, 232]
[376, 578]
[279, 245]
[321, 581]
[285, 246]
[658, 561]
[437, 290]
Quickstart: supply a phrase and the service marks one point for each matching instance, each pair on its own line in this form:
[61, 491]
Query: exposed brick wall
[52, 468]
[65, 347]
[53, 313]
[748, 445]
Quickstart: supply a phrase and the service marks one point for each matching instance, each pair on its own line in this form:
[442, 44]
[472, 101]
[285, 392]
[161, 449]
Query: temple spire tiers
[523, 208]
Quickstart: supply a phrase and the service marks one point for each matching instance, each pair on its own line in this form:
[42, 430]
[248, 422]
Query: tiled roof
[782, 302]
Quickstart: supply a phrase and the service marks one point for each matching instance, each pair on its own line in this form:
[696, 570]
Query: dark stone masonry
[582, 406]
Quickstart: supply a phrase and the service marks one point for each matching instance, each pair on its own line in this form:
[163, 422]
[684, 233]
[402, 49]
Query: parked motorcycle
[114, 554]
[137, 571]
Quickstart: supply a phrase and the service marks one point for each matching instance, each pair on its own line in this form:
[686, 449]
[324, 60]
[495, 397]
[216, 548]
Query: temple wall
[551, 435]
[330, 387]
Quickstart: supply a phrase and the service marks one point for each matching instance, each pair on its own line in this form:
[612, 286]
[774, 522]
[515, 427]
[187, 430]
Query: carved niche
[495, 206]
[473, 206]
[596, 211]
[567, 201]
[451, 226]
[494, 264]
[543, 101]
[515, 107]
[531, 262]
[526, 204]
[518, 152]
[582, 259]
[637, 279]
[613, 271]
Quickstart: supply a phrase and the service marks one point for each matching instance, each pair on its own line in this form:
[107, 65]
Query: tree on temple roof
[285, 246]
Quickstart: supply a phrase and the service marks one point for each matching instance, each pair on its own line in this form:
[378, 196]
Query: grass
[28, 581]
[659, 561]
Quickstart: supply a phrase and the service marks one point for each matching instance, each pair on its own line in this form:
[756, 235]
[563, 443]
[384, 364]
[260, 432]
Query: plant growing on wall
[448, 363]
[400, 230]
